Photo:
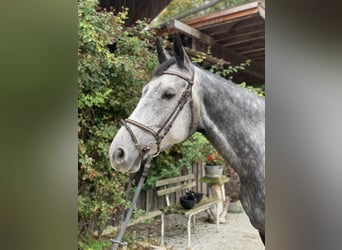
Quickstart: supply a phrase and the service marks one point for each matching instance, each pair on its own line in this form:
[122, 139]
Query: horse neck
[232, 119]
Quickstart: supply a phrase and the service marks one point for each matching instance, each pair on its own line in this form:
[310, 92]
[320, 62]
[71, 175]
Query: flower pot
[213, 171]
[187, 203]
[194, 196]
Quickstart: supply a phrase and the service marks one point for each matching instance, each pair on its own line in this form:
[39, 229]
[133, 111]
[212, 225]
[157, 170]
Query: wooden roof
[234, 35]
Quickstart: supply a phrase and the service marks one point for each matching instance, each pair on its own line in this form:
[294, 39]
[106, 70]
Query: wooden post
[216, 189]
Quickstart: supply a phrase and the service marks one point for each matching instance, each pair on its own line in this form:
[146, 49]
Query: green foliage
[224, 71]
[164, 166]
[200, 57]
[260, 91]
[177, 7]
[172, 162]
[196, 149]
[90, 243]
[136, 211]
[110, 83]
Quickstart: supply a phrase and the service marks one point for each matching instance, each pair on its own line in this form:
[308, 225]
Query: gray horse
[182, 98]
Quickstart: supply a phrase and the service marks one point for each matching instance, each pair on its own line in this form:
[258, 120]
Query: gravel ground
[236, 234]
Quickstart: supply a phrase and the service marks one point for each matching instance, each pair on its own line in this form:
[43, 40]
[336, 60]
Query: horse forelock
[164, 66]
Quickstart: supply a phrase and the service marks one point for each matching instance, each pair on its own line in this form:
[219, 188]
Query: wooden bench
[179, 184]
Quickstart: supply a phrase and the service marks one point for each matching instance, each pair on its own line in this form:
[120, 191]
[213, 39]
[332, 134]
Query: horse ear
[182, 58]
[163, 55]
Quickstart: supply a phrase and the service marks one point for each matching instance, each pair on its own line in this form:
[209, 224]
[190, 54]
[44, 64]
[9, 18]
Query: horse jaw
[123, 155]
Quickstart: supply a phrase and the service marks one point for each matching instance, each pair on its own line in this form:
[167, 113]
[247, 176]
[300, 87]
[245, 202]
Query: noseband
[165, 128]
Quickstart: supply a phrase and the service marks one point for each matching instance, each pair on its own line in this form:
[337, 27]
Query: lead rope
[117, 242]
[129, 186]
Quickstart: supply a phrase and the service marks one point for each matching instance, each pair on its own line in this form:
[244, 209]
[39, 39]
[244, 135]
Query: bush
[113, 64]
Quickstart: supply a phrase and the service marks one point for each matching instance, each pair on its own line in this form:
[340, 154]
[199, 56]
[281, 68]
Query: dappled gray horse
[182, 98]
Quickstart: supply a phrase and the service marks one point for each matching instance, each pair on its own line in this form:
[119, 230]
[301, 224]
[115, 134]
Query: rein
[117, 242]
[167, 125]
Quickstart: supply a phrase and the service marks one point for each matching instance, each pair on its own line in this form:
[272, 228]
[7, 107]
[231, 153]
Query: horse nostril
[119, 156]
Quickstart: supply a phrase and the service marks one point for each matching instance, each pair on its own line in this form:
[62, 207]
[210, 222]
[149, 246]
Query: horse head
[166, 114]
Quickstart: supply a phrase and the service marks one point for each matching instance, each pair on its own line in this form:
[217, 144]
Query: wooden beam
[218, 50]
[261, 11]
[225, 15]
[244, 47]
[243, 41]
[241, 26]
[225, 30]
[252, 51]
[221, 21]
[164, 182]
[258, 55]
[186, 29]
[232, 37]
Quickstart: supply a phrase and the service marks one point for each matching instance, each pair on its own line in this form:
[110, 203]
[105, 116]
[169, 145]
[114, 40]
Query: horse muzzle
[120, 161]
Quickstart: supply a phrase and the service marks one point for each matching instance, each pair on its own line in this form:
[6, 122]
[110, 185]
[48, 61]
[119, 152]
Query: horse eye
[168, 94]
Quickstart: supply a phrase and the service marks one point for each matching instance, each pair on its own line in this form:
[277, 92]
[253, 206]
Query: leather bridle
[160, 134]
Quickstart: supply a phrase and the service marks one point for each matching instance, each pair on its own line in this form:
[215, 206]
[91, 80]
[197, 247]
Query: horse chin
[135, 166]
[128, 168]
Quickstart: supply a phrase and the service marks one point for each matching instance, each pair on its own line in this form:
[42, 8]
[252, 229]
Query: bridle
[160, 134]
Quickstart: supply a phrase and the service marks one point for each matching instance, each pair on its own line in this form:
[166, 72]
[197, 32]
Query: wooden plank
[236, 20]
[242, 47]
[174, 180]
[252, 51]
[248, 25]
[204, 185]
[221, 29]
[142, 204]
[241, 24]
[215, 180]
[261, 11]
[239, 41]
[225, 38]
[201, 206]
[194, 170]
[177, 25]
[150, 200]
[225, 15]
[233, 23]
[176, 188]
[161, 201]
